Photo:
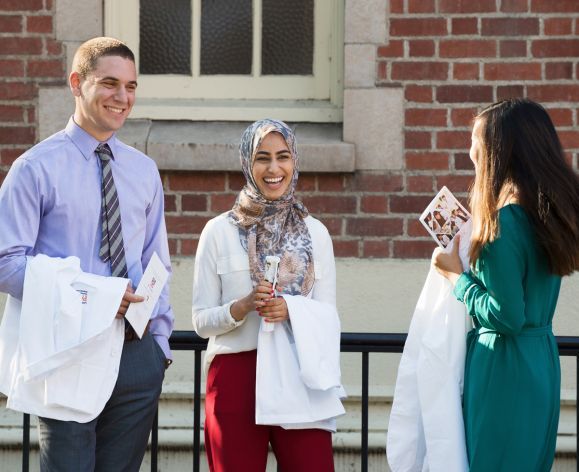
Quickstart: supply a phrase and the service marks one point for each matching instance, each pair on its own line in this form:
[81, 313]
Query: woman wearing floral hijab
[231, 300]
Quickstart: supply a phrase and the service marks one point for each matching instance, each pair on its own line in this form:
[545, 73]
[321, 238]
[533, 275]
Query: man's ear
[74, 82]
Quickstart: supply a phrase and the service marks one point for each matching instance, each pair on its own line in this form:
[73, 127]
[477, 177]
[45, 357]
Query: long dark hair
[521, 151]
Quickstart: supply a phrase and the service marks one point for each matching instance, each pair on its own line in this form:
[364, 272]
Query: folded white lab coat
[60, 348]
[426, 430]
[298, 368]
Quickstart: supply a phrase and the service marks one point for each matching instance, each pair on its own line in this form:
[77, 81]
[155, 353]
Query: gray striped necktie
[112, 248]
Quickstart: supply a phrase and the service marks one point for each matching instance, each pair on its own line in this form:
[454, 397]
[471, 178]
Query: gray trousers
[116, 439]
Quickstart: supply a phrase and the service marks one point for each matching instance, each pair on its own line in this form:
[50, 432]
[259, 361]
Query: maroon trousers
[233, 441]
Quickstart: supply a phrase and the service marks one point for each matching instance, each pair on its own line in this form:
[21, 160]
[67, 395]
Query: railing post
[197, 412]
[155, 442]
[577, 413]
[25, 443]
[365, 357]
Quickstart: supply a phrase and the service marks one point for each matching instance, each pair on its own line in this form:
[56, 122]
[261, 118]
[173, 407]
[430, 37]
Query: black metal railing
[364, 343]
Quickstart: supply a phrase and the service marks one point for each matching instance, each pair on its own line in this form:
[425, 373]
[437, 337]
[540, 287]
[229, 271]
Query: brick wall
[29, 58]
[450, 57]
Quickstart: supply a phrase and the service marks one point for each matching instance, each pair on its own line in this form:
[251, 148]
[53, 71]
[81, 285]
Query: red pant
[235, 443]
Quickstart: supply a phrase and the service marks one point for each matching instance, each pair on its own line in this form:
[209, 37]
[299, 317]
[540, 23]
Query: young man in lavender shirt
[51, 203]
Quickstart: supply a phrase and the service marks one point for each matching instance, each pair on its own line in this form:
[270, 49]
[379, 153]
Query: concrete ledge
[213, 146]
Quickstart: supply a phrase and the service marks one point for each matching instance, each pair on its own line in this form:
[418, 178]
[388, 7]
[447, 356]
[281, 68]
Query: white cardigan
[60, 348]
[222, 276]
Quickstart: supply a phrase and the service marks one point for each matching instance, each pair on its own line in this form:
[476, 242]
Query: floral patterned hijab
[273, 227]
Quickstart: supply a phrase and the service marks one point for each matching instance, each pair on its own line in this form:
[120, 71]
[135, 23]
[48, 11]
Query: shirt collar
[86, 143]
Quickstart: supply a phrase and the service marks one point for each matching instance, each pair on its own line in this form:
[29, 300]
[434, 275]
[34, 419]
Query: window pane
[287, 37]
[165, 37]
[226, 37]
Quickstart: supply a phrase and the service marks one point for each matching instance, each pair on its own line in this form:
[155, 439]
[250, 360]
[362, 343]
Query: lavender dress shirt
[50, 203]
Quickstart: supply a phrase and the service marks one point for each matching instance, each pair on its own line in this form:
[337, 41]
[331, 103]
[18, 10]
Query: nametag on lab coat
[150, 287]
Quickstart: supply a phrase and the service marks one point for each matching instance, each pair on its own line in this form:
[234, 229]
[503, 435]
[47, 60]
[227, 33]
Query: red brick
[557, 6]
[11, 45]
[382, 70]
[346, 248]
[512, 48]
[46, 68]
[409, 203]
[31, 112]
[417, 140]
[21, 5]
[170, 203]
[462, 161]
[456, 183]
[558, 70]
[558, 26]
[510, 91]
[515, 71]
[418, 27]
[222, 202]
[453, 139]
[54, 48]
[330, 204]
[464, 26]
[465, 48]
[418, 93]
[374, 226]
[514, 5]
[510, 26]
[16, 91]
[421, 6]
[554, 93]
[173, 244]
[236, 181]
[11, 113]
[333, 224]
[465, 71]
[17, 135]
[420, 71]
[561, 116]
[12, 68]
[8, 156]
[330, 182]
[555, 47]
[417, 249]
[189, 247]
[421, 48]
[427, 160]
[306, 182]
[419, 183]
[48, 4]
[376, 183]
[467, 6]
[376, 249]
[425, 117]
[185, 224]
[569, 139]
[197, 182]
[414, 228]
[194, 202]
[462, 116]
[464, 93]
[10, 23]
[394, 48]
[39, 24]
[396, 6]
[374, 204]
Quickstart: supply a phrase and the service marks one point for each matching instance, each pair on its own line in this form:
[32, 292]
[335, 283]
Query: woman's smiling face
[273, 166]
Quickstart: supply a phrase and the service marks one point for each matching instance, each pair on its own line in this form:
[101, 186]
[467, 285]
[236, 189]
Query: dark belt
[131, 335]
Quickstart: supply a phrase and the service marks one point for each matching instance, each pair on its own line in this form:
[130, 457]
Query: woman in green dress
[525, 209]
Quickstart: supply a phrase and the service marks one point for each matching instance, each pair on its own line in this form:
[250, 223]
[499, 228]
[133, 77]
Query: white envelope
[150, 287]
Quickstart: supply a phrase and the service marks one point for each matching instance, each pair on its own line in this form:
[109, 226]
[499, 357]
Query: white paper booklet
[150, 287]
[444, 217]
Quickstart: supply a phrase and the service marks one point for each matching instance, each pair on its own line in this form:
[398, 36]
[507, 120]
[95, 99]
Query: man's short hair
[89, 52]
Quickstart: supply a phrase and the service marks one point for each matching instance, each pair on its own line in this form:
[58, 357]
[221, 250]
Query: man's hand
[128, 298]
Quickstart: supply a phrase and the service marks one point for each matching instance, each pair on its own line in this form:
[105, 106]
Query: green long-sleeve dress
[512, 375]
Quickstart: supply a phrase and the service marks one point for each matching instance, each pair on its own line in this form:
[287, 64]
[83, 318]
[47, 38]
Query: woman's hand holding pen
[273, 309]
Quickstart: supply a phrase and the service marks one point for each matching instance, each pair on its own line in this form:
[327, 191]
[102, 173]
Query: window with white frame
[234, 59]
